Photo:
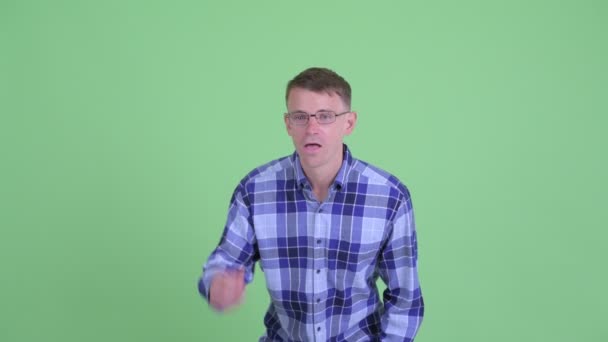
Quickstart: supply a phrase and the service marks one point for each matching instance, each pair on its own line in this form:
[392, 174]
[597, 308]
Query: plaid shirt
[321, 260]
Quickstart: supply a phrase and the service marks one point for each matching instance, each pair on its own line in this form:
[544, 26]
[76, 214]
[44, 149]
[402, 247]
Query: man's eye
[300, 117]
[324, 115]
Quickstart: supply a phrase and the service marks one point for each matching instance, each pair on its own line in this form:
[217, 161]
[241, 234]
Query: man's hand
[227, 289]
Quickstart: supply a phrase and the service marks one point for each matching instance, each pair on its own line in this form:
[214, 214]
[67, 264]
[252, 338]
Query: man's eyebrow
[298, 111]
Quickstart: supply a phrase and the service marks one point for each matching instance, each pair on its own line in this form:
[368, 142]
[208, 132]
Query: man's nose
[313, 125]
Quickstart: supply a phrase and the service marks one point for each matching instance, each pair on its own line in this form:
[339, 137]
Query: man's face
[319, 146]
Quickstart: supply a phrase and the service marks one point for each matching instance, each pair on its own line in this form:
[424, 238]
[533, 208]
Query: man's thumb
[241, 273]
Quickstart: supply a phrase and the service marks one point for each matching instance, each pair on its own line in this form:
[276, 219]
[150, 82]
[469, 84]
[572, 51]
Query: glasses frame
[288, 115]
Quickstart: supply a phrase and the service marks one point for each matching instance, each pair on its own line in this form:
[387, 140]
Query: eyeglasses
[323, 117]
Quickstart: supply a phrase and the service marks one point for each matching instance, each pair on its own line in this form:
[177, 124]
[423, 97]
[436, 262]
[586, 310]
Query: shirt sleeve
[403, 303]
[237, 248]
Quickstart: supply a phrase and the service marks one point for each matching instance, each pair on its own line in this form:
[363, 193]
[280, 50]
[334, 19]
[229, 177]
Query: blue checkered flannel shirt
[321, 260]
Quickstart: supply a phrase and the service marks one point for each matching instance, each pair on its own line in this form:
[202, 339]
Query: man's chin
[304, 152]
[309, 161]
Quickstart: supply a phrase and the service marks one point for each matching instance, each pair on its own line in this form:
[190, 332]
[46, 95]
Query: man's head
[318, 139]
[321, 80]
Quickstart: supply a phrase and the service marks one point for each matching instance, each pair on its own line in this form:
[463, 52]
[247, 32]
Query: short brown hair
[319, 80]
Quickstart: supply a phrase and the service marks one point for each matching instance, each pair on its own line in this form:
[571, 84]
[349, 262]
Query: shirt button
[318, 240]
[318, 300]
[318, 328]
[318, 271]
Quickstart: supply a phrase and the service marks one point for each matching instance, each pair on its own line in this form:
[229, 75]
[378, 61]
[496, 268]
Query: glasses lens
[326, 117]
[299, 118]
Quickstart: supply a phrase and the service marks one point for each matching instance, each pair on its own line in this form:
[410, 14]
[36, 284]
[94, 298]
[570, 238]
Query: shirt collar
[341, 177]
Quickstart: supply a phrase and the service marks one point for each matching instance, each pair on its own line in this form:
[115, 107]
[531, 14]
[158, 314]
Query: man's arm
[404, 306]
[232, 262]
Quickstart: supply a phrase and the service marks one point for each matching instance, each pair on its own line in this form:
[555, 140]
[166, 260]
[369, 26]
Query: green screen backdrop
[126, 125]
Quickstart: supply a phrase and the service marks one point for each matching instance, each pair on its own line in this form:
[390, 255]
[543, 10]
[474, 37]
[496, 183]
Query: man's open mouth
[312, 145]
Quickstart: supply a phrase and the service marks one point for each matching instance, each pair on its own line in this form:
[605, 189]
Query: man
[324, 226]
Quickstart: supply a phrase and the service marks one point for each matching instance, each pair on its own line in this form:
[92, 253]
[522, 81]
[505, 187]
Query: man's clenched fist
[227, 289]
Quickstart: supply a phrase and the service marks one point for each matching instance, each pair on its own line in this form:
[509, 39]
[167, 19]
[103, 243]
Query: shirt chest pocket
[356, 246]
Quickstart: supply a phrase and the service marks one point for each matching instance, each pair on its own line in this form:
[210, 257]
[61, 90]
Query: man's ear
[287, 124]
[351, 122]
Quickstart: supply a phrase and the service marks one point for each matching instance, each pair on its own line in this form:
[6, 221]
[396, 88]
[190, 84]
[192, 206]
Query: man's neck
[321, 178]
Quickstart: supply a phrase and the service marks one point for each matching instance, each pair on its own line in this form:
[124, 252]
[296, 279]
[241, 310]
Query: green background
[126, 125]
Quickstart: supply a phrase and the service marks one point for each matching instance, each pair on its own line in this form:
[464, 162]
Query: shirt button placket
[319, 280]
